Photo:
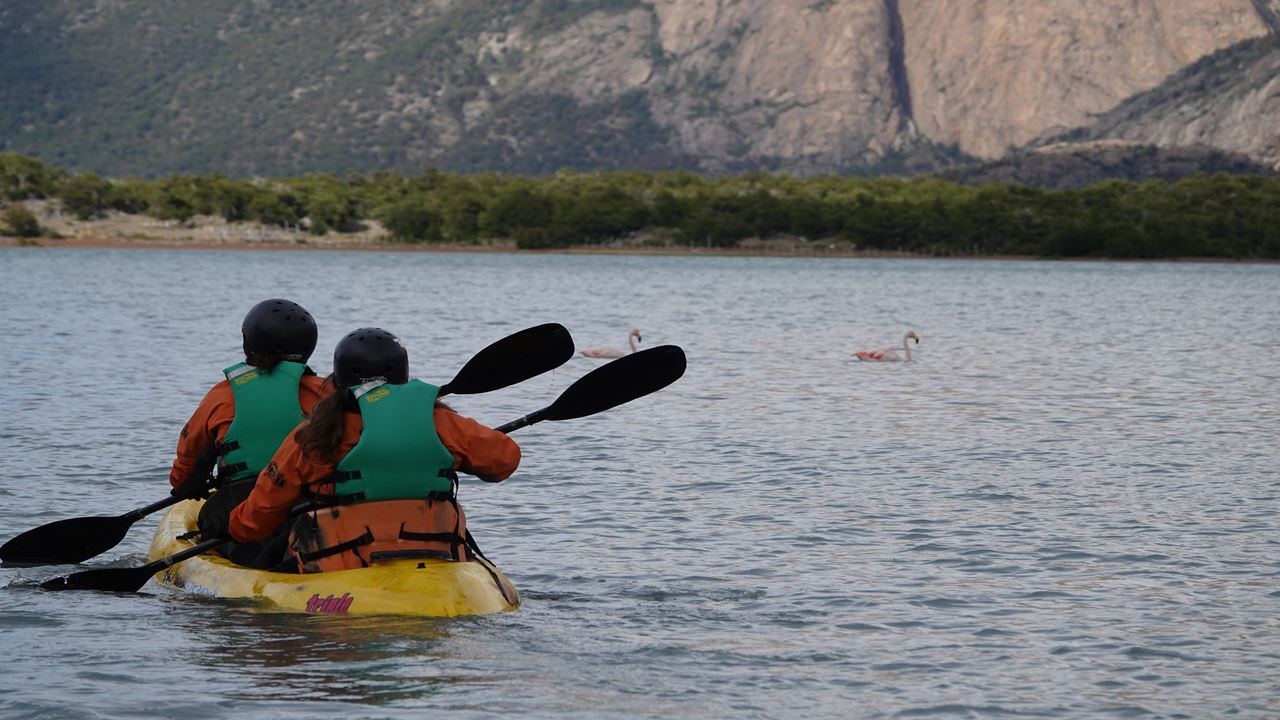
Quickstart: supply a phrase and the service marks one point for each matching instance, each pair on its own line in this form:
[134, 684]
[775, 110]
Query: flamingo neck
[906, 348]
[631, 340]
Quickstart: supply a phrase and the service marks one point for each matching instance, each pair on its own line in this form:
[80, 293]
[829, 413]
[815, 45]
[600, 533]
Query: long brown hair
[266, 362]
[321, 437]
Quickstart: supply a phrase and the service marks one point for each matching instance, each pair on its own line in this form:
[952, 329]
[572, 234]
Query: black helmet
[279, 328]
[370, 353]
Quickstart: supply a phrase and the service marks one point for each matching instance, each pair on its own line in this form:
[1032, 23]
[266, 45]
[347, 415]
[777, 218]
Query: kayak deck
[427, 587]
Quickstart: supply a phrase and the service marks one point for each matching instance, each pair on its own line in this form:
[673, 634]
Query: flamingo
[889, 354]
[604, 351]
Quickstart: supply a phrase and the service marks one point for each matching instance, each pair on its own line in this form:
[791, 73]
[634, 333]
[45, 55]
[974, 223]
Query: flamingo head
[635, 334]
[912, 335]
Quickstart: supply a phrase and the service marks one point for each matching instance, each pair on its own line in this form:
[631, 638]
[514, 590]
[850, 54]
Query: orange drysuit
[213, 416]
[476, 450]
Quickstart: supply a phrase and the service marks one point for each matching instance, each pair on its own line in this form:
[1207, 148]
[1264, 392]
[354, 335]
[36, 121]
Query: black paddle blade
[106, 579]
[618, 382]
[513, 359]
[65, 542]
[132, 579]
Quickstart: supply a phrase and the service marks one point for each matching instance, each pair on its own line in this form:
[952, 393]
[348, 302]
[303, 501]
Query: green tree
[329, 203]
[226, 198]
[23, 178]
[173, 198]
[601, 213]
[273, 208]
[667, 210]
[20, 222]
[132, 196]
[86, 196]
[514, 208]
[460, 215]
[413, 221]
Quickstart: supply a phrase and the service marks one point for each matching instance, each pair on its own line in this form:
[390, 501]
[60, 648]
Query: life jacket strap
[451, 538]
[340, 476]
[342, 547]
[455, 540]
[231, 470]
[489, 567]
[359, 497]
[471, 543]
[226, 471]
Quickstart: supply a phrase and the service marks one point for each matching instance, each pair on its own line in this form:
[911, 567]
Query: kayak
[426, 587]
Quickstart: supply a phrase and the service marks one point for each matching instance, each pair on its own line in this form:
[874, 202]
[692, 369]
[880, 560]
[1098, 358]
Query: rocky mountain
[1218, 101]
[247, 87]
[993, 75]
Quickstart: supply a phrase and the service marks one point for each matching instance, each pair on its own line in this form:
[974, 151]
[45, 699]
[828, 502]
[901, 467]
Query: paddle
[506, 362]
[512, 360]
[620, 381]
[608, 386]
[128, 579]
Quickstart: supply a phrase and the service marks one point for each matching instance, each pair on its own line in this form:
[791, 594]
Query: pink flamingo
[604, 351]
[888, 354]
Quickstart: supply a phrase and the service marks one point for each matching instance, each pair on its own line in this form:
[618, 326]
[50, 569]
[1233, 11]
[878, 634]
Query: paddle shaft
[199, 548]
[135, 515]
[525, 421]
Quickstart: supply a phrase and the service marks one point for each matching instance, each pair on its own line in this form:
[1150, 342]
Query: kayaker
[243, 418]
[383, 452]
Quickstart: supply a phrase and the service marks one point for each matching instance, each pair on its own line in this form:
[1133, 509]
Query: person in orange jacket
[381, 456]
[242, 420]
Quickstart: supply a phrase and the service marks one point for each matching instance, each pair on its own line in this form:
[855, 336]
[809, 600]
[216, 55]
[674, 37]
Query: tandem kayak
[427, 587]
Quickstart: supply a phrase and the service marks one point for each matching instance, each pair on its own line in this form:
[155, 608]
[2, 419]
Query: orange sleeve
[208, 424]
[311, 390]
[477, 450]
[283, 483]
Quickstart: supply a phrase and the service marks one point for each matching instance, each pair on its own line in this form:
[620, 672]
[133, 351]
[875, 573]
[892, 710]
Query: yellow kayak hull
[436, 588]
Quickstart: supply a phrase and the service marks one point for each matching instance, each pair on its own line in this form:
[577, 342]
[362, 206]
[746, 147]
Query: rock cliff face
[821, 85]
[1229, 100]
[818, 85]
[991, 75]
[741, 84]
[801, 86]
[791, 82]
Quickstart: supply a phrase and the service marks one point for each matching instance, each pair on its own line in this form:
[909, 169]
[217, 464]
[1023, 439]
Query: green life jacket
[267, 409]
[399, 456]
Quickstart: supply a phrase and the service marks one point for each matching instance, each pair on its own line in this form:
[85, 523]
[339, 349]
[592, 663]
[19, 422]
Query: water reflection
[368, 660]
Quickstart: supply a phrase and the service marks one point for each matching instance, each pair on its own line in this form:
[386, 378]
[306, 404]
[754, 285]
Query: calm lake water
[1065, 506]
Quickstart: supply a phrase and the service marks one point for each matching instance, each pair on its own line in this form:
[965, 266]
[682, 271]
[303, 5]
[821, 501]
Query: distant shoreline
[323, 245]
